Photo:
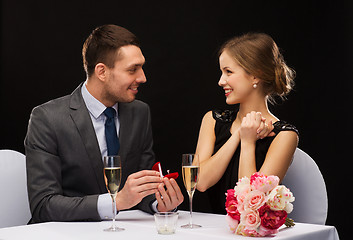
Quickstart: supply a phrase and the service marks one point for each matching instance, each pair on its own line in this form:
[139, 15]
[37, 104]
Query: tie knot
[109, 112]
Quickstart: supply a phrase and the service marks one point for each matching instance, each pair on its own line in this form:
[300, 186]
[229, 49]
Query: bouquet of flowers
[258, 206]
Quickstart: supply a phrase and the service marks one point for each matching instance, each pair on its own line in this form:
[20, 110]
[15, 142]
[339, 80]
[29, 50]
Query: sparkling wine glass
[112, 174]
[191, 168]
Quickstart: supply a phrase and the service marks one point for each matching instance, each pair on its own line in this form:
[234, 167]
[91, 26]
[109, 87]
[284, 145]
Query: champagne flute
[191, 168]
[112, 174]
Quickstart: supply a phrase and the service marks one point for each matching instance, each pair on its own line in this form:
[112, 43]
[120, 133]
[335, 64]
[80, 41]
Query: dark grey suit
[64, 163]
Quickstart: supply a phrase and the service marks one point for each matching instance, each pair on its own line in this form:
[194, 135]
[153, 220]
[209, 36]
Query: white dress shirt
[96, 109]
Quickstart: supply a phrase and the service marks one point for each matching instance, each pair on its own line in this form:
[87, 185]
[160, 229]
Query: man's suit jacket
[64, 163]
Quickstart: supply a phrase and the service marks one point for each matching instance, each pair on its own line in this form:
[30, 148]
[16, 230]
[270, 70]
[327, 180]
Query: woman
[235, 144]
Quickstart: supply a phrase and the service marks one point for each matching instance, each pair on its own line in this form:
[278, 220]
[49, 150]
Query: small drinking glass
[112, 174]
[191, 168]
[166, 222]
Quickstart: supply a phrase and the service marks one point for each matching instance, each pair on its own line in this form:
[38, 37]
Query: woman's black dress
[224, 120]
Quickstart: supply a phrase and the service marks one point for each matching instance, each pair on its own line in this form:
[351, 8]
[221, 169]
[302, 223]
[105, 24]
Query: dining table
[141, 226]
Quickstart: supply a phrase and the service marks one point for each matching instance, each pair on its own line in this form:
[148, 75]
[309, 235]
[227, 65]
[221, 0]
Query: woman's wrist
[248, 145]
[235, 134]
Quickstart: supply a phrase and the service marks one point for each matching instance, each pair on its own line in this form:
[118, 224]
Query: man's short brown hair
[102, 44]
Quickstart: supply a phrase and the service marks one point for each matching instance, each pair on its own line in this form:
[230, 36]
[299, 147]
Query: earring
[254, 85]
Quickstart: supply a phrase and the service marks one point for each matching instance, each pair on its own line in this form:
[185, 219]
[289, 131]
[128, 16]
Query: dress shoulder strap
[284, 126]
[225, 116]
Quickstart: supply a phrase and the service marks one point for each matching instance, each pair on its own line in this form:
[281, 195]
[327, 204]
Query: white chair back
[14, 206]
[306, 182]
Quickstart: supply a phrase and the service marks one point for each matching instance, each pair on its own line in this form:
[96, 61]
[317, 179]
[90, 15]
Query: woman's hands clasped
[254, 127]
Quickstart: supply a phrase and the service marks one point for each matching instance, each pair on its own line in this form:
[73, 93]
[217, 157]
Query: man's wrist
[118, 202]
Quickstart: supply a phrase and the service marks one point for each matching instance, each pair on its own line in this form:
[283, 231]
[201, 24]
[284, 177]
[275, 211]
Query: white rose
[288, 208]
[280, 198]
[242, 185]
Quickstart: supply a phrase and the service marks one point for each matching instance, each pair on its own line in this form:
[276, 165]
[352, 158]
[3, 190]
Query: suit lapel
[124, 119]
[80, 116]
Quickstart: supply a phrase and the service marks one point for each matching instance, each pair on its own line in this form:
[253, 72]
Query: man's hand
[137, 186]
[169, 198]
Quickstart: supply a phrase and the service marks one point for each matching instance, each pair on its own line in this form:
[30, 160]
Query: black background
[41, 45]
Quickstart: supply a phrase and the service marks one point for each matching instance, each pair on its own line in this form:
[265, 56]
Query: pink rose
[232, 210]
[232, 223]
[230, 195]
[265, 231]
[245, 231]
[256, 175]
[241, 203]
[251, 219]
[254, 200]
[263, 183]
[231, 205]
[272, 219]
[250, 232]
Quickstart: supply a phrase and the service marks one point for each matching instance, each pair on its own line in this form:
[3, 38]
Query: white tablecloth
[140, 226]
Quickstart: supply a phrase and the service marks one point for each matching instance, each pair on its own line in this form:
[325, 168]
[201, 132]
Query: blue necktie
[111, 136]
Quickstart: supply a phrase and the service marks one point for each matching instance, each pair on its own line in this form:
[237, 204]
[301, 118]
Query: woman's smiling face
[236, 82]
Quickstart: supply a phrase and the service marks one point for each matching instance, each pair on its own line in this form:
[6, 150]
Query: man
[66, 139]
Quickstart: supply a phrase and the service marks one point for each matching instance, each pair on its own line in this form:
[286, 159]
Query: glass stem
[114, 211]
[190, 201]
